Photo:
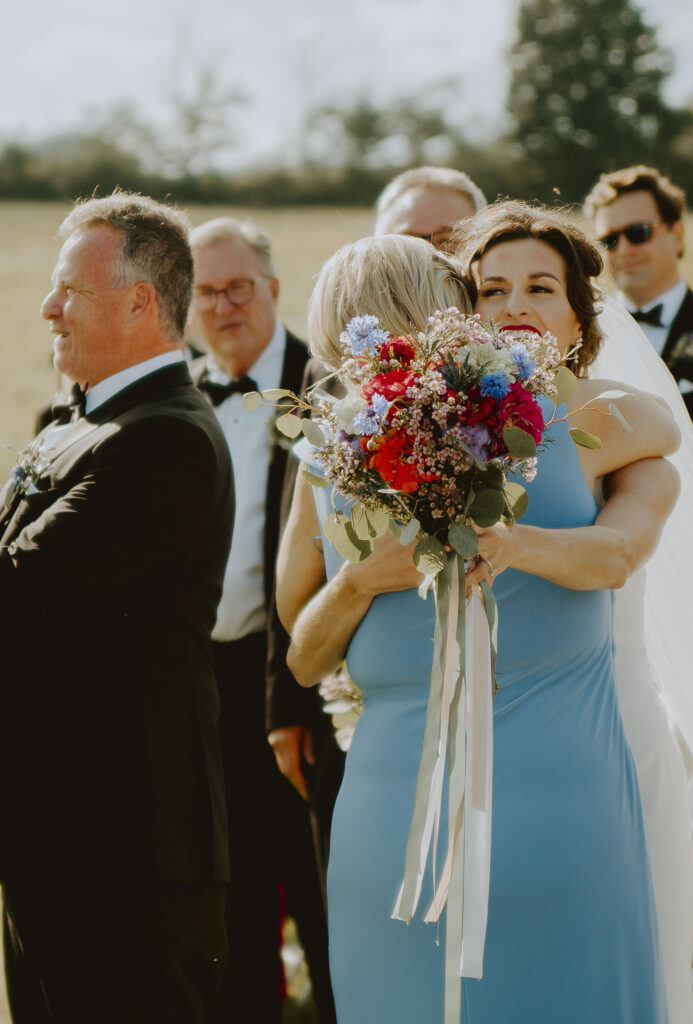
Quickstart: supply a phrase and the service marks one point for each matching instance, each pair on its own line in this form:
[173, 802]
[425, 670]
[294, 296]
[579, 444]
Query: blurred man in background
[234, 316]
[637, 214]
[427, 202]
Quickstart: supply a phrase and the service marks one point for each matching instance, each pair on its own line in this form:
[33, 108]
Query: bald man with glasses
[637, 215]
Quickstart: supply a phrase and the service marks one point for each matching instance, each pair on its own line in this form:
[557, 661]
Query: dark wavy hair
[511, 221]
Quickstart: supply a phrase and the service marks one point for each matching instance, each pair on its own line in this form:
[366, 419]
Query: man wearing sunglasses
[637, 214]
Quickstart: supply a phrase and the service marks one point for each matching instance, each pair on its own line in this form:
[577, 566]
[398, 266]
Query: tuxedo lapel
[682, 324]
[295, 358]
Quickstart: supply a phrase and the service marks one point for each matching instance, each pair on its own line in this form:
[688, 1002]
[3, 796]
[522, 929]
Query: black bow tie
[218, 392]
[652, 316]
[71, 407]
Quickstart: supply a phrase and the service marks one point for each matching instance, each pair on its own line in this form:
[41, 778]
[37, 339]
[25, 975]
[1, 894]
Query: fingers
[286, 744]
[482, 570]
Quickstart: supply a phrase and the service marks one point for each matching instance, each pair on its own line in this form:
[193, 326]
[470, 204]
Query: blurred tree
[369, 138]
[585, 94]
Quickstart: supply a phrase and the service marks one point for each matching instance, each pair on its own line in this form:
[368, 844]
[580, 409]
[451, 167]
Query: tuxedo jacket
[678, 347]
[287, 702]
[110, 575]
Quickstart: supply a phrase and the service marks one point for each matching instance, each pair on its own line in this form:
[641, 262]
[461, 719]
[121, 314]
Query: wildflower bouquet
[423, 444]
[431, 430]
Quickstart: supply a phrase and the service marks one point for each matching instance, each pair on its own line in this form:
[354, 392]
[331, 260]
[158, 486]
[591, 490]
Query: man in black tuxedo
[637, 215]
[114, 534]
[234, 315]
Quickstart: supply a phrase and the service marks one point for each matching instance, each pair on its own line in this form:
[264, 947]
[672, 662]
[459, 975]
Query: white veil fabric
[627, 355]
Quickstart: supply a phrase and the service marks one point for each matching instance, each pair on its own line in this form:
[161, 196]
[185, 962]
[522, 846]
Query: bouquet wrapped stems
[457, 747]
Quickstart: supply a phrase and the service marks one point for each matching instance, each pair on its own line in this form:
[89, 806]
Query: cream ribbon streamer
[458, 736]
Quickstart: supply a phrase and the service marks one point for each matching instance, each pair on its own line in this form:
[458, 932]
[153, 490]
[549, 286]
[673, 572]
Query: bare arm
[322, 617]
[640, 496]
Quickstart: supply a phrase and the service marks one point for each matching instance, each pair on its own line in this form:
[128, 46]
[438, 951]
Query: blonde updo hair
[399, 279]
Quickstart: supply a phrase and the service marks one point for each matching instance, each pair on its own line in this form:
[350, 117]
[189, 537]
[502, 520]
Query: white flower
[347, 410]
[492, 359]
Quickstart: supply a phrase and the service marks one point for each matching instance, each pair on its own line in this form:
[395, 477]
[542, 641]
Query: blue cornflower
[362, 335]
[370, 421]
[523, 361]
[495, 385]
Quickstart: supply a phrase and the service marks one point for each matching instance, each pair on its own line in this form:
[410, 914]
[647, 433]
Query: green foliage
[585, 94]
[584, 439]
[519, 443]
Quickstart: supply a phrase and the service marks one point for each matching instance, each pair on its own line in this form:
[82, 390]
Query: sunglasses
[636, 234]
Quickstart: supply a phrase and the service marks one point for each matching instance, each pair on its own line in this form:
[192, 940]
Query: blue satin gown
[572, 935]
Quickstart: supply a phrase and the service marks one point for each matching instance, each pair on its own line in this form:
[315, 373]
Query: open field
[303, 239]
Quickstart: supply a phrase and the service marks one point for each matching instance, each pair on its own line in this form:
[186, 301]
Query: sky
[63, 63]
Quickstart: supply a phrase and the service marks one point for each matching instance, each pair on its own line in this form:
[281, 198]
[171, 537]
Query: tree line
[584, 96]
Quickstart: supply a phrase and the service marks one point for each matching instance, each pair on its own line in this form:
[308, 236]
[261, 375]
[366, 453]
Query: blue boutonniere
[30, 465]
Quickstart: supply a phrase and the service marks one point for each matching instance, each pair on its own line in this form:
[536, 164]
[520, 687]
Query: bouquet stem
[458, 743]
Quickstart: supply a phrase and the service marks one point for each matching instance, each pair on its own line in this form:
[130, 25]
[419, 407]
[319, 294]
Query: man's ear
[677, 233]
[143, 299]
[274, 287]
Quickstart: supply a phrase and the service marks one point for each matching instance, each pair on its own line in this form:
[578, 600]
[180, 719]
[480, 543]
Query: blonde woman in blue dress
[572, 934]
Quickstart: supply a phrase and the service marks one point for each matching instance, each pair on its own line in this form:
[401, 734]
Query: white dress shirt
[670, 302]
[242, 608]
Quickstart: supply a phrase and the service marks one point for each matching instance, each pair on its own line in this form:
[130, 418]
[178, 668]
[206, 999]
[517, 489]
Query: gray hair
[224, 229]
[420, 178]
[155, 249]
[399, 279]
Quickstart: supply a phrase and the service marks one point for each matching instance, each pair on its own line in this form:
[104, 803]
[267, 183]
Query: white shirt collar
[670, 301]
[110, 386]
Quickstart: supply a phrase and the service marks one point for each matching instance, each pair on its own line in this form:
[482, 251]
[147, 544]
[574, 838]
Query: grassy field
[303, 240]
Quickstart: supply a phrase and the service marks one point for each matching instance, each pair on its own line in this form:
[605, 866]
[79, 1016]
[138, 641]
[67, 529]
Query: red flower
[401, 349]
[522, 410]
[387, 457]
[391, 385]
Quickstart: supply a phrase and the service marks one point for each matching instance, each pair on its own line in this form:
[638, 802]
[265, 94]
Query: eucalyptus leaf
[360, 548]
[487, 507]
[565, 383]
[313, 432]
[430, 556]
[252, 400]
[369, 523]
[339, 531]
[409, 532]
[516, 498]
[379, 522]
[618, 415]
[289, 425]
[274, 394]
[492, 477]
[464, 540]
[519, 443]
[314, 479]
[584, 439]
